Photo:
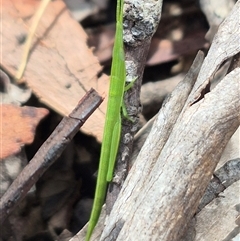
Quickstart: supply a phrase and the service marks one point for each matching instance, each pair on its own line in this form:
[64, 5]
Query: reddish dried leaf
[165, 50]
[18, 125]
[61, 66]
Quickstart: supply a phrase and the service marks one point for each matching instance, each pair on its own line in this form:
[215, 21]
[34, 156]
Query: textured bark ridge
[163, 189]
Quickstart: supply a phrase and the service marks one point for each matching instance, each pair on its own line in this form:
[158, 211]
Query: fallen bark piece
[160, 206]
[219, 220]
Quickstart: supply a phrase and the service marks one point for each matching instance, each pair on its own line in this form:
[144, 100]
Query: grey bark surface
[164, 187]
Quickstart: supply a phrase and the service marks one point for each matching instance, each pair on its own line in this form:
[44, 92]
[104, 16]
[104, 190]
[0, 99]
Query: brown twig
[48, 152]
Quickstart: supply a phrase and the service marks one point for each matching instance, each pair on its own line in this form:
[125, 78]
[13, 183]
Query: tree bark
[141, 19]
[163, 189]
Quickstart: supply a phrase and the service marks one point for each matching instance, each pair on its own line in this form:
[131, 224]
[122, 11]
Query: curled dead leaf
[18, 125]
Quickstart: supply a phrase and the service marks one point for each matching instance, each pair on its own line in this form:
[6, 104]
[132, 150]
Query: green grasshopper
[112, 127]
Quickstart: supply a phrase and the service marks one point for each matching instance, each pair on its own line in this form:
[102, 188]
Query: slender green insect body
[112, 127]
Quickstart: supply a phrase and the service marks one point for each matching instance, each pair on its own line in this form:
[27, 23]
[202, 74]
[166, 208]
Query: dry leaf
[61, 67]
[165, 50]
[18, 127]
